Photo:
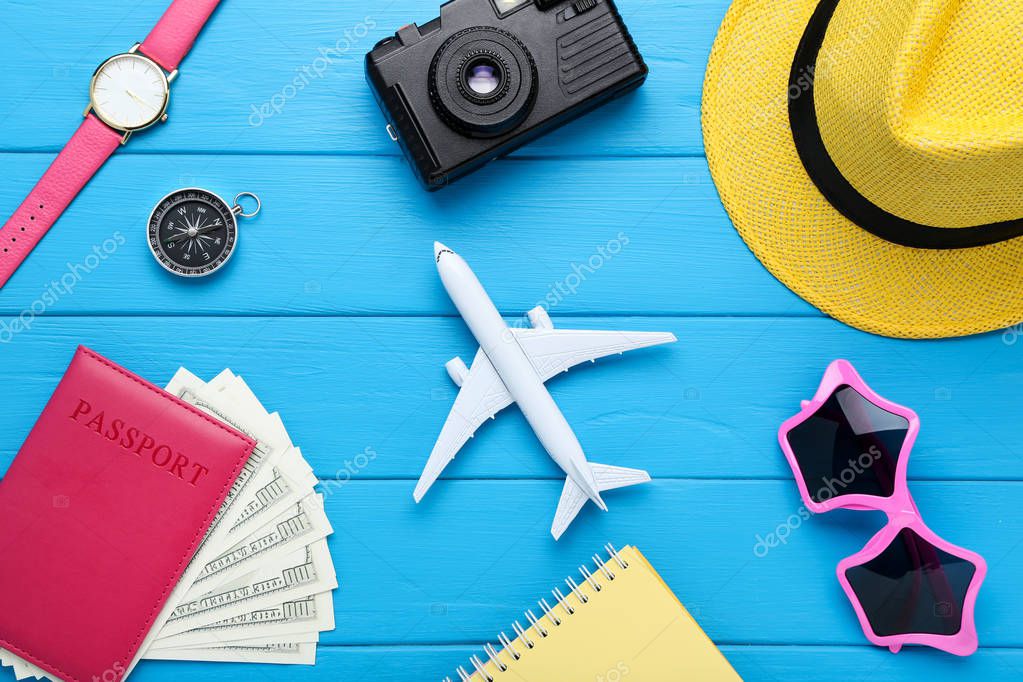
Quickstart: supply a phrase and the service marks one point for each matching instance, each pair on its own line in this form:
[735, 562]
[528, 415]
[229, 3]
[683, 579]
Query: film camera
[488, 76]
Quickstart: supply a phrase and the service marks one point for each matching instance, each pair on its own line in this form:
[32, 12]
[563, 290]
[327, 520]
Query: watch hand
[140, 100]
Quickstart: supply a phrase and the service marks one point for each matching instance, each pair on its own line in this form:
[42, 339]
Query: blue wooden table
[333, 312]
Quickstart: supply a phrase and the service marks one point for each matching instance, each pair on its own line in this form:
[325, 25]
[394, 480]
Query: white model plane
[512, 366]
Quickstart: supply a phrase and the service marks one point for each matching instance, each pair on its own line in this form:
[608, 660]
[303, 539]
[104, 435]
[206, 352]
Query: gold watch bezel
[160, 115]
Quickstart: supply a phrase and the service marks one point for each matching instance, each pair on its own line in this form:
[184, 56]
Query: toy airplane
[511, 367]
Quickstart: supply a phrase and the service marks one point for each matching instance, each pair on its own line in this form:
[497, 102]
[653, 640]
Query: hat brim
[834, 264]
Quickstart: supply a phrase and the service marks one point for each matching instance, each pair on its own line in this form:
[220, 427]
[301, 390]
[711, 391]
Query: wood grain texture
[702, 539]
[706, 407]
[342, 235]
[251, 53]
[332, 310]
[775, 663]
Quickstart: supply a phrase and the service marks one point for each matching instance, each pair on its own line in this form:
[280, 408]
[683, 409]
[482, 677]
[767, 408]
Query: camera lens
[483, 82]
[483, 76]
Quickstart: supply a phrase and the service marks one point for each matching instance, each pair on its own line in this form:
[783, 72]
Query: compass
[193, 232]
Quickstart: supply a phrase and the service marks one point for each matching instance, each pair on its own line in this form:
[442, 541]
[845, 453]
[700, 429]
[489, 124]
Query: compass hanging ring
[237, 208]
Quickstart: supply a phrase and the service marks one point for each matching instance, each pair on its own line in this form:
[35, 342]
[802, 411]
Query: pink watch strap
[83, 155]
[172, 37]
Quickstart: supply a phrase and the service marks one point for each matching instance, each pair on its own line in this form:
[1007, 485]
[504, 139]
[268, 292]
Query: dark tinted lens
[912, 587]
[849, 446]
[484, 78]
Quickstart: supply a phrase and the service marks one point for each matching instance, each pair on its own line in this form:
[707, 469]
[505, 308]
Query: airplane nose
[439, 250]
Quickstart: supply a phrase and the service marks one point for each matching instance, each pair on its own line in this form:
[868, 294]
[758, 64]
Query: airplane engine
[539, 318]
[457, 371]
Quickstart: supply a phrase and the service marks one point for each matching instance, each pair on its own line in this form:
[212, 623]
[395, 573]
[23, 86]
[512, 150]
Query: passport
[102, 510]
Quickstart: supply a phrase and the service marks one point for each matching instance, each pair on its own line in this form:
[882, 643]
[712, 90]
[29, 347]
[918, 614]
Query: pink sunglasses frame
[901, 511]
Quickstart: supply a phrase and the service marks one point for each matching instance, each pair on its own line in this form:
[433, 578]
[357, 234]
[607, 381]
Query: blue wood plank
[252, 53]
[753, 663]
[464, 564]
[335, 232]
[707, 407]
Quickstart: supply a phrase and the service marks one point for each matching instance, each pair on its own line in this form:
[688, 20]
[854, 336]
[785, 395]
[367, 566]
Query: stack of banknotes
[259, 589]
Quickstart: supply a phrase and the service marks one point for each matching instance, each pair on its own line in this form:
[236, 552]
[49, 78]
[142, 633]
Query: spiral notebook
[620, 621]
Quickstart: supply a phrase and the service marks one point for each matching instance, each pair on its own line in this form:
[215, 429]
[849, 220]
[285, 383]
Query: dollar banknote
[256, 473]
[292, 480]
[22, 669]
[303, 573]
[299, 638]
[310, 614]
[295, 527]
[283, 653]
[260, 590]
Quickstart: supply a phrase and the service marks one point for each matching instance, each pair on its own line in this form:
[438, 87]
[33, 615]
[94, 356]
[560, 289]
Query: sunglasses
[849, 449]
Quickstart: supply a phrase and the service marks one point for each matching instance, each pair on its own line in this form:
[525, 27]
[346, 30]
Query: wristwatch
[128, 92]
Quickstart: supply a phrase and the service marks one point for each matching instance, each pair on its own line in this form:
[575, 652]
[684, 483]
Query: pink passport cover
[100, 513]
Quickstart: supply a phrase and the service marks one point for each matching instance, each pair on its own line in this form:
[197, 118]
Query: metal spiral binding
[603, 567]
[616, 556]
[522, 635]
[492, 653]
[576, 591]
[549, 612]
[506, 645]
[478, 664]
[535, 624]
[591, 579]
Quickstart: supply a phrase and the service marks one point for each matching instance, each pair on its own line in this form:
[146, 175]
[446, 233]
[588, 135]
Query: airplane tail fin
[573, 498]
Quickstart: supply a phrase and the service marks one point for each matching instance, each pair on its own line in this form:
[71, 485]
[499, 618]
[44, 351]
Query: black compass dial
[192, 232]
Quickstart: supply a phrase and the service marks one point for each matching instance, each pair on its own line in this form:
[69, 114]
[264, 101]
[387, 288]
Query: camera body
[488, 76]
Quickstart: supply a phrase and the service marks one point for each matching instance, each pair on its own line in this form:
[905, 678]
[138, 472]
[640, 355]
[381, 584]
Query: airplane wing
[553, 351]
[482, 396]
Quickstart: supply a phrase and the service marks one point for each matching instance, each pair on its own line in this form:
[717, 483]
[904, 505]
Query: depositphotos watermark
[60, 288]
[615, 674]
[111, 674]
[313, 71]
[1012, 335]
[805, 79]
[351, 468]
[831, 487]
[570, 284]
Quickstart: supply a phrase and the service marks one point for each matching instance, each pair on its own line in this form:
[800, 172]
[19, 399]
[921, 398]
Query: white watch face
[129, 92]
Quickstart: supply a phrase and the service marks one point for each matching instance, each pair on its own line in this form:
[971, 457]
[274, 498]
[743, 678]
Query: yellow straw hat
[870, 153]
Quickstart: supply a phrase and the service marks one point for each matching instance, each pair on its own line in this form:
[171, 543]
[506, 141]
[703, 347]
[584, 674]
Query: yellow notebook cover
[620, 622]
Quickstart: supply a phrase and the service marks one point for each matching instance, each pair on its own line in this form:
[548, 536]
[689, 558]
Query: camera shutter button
[409, 34]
